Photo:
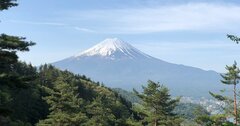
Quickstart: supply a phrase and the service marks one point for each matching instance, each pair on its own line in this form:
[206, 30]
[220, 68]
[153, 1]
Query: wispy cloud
[57, 24]
[214, 17]
[38, 23]
[84, 29]
[191, 16]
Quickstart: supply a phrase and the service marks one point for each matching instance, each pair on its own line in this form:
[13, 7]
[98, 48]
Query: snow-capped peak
[113, 48]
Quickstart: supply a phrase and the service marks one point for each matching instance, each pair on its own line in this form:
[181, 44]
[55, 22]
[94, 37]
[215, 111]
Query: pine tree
[99, 113]
[234, 38]
[65, 105]
[159, 105]
[232, 78]
[5, 4]
[10, 79]
[25, 98]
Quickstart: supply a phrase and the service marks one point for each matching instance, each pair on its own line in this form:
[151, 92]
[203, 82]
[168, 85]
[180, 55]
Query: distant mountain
[120, 65]
[113, 49]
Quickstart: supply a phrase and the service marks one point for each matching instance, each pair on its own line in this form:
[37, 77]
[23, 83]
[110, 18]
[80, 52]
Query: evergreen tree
[232, 78]
[100, 114]
[234, 38]
[65, 105]
[213, 120]
[102, 106]
[5, 4]
[159, 105]
[10, 78]
[27, 104]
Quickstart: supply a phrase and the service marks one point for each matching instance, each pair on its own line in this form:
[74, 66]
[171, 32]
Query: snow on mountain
[113, 48]
[120, 65]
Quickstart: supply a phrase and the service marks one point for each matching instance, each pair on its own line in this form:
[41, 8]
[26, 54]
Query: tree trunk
[155, 122]
[235, 105]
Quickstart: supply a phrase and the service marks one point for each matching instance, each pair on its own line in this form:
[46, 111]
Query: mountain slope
[113, 49]
[120, 65]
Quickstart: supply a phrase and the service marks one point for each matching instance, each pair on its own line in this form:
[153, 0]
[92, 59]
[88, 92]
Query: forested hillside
[47, 96]
[76, 100]
[59, 97]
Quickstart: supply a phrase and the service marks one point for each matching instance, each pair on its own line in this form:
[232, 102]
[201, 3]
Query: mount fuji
[120, 65]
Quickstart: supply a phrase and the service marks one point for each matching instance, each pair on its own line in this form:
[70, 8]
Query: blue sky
[189, 32]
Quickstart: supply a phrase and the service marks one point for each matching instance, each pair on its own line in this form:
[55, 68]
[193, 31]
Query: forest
[48, 96]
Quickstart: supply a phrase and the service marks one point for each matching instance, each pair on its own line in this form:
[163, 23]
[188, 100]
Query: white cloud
[57, 24]
[84, 30]
[37, 23]
[191, 16]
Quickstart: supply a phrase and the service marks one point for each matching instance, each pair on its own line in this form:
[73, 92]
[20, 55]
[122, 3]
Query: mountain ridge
[120, 70]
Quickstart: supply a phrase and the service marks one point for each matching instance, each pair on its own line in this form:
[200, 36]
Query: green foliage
[30, 106]
[5, 4]
[188, 110]
[11, 77]
[14, 43]
[158, 105]
[133, 122]
[20, 102]
[99, 113]
[220, 97]
[234, 38]
[102, 106]
[232, 75]
[65, 105]
[230, 78]
[99, 105]
[9, 45]
[213, 120]
[25, 104]
[130, 96]
[51, 97]
[184, 110]
[189, 123]
[69, 99]
[14, 75]
[205, 119]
